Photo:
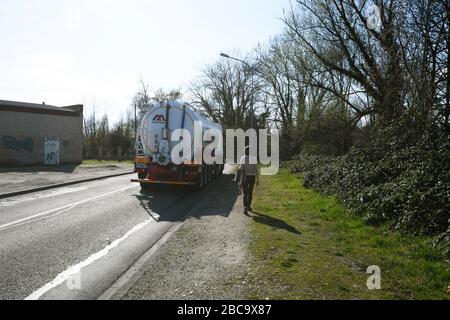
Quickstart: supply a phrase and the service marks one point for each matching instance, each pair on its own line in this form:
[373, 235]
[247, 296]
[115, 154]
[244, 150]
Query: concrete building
[25, 128]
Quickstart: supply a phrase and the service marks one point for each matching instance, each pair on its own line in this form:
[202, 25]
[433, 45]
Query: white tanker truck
[153, 161]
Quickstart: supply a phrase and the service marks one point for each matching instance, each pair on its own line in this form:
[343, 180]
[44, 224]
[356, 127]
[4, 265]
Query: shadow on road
[172, 203]
[221, 199]
[274, 222]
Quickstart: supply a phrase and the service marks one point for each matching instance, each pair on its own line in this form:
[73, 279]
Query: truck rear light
[143, 160]
[140, 159]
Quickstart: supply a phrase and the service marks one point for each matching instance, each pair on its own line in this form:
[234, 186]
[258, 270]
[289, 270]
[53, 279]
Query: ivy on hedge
[399, 177]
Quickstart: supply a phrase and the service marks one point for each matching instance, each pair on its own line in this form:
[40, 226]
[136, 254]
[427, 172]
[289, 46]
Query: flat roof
[17, 106]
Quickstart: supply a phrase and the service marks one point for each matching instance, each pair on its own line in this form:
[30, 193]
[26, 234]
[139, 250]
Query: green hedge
[399, 177]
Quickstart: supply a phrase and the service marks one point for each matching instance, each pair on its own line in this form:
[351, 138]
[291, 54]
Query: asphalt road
[74, 242]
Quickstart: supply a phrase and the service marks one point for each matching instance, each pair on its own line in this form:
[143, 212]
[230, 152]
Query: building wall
[22, 136]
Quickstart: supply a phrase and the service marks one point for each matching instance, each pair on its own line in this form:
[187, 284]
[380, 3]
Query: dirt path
[207, 258]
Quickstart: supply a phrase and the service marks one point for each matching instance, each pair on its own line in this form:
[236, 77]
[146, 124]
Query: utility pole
[135, 121]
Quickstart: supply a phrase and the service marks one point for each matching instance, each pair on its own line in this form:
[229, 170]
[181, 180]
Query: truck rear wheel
[144, 186]
[216, 171]
[200, 181]
[208, 175]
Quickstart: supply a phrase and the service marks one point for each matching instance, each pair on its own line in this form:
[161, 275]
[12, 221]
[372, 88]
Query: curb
[124, 283]
[121, 286]
[58, 185]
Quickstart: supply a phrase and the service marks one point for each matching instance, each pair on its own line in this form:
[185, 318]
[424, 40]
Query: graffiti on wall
[12, 143]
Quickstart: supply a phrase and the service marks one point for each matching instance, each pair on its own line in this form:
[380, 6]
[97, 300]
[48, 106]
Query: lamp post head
[225, 55]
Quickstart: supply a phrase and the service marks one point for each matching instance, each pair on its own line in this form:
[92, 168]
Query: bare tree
[224, 93]
[339, 35]
[163, 96]
[287, 92]
[425, 49]
[142, 97]
[274, 67]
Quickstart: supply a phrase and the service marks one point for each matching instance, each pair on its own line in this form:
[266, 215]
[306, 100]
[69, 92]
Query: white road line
[60, 209]
[46, 194]
[8, 202]
[71, 271]
[38, 219]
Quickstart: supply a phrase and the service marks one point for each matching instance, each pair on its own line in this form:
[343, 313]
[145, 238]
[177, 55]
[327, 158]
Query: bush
[399, 177]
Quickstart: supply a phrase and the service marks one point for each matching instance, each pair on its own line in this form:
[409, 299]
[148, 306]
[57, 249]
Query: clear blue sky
[77, 51]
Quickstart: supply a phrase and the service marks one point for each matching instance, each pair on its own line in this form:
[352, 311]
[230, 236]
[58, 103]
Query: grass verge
[105, 162]
[307, 247]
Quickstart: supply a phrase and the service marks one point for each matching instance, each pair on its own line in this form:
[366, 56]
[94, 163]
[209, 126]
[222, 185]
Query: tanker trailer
[153, 162]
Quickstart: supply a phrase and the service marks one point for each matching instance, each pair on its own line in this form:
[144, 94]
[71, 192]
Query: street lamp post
[224, 55]
[135, 120]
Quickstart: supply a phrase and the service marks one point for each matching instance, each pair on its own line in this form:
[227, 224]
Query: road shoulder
[298, 244]
[207, 258]
[309, 246]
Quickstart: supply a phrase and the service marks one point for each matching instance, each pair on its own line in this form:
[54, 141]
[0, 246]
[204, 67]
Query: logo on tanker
[159, 118]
